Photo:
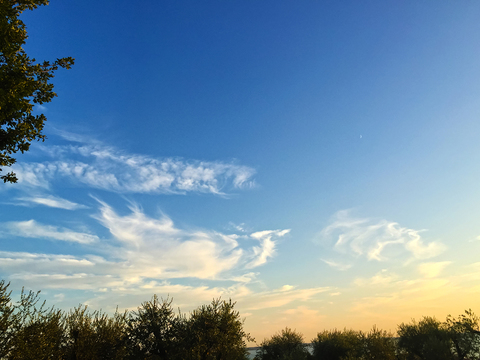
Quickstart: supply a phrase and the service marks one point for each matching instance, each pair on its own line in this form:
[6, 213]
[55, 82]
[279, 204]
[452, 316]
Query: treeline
[30, 330]
[428, 339]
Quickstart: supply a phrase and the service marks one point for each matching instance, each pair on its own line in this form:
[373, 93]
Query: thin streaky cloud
[33, 229]
[50, 201]
[337, 265]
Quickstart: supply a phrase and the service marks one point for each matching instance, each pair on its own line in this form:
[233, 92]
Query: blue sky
[317, 162]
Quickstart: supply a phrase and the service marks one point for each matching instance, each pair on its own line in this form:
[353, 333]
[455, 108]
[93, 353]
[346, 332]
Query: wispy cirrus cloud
[108, 168]
[33, 229]
[50, 201]
[267, 246]
[378, 240]
[337, 265]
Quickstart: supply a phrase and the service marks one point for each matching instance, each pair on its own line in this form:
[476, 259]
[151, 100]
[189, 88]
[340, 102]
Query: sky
[317, 162]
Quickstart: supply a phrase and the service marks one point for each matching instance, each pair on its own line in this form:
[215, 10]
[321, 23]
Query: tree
[465, 334]
[428, 339]
[94, 335]
[349, 344]
[37, 332]
[287, 345]
[215, 332]
[23, 83]
[153, 331]
[379, 345]
[337, 345]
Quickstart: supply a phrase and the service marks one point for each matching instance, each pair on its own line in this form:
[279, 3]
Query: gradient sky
[317, 162]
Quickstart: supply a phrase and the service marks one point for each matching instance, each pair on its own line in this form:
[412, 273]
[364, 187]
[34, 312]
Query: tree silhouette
[23, 83]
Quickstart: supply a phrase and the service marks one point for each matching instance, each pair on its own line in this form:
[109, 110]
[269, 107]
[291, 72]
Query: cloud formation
[337, 265]
[267, 246]
[107, 168]
[33, 229]
[155, 248]
[50, 201]
[379, 240]
[141, 249]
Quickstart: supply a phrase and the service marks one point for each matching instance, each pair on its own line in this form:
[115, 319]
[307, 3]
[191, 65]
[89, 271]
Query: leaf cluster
[24, 82]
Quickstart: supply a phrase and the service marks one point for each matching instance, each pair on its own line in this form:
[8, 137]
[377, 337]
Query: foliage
[23, 83]
[38, 332]
[465, 334]
[427, 339]
[349, 344]
[215, 332]
[94, 335]
[153, 330]
[287, 345]
[378, 345]
[8, 320]
[337, 345]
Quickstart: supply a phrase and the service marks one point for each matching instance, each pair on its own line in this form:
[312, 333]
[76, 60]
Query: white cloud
[240, 227]
[421, 251]
[156, 248]
[50, 201]
[337, 265]
[378, 240]
[142, 249]
[267, 246]
[108, 168]
[33, 229]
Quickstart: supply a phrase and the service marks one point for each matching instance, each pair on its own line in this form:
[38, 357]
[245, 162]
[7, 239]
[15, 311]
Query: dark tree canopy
[215, 332]
[286, 345]
[23, 83]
